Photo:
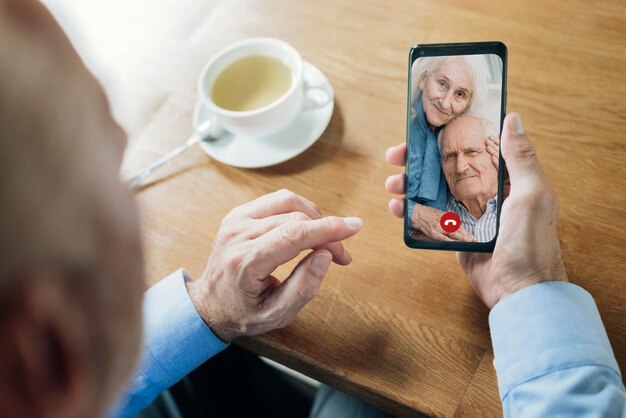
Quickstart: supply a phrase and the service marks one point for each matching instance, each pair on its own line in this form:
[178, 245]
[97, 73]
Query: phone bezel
[466, 48]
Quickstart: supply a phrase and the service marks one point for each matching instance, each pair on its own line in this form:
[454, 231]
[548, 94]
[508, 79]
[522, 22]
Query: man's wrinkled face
[466, 163]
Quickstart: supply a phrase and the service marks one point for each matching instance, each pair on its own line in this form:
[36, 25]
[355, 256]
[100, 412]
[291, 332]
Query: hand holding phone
[529, 221]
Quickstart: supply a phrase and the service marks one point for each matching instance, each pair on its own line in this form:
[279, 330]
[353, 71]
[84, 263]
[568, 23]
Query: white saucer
[251, 152]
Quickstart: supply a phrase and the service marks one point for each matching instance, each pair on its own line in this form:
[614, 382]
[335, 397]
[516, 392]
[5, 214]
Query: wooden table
[400, 328]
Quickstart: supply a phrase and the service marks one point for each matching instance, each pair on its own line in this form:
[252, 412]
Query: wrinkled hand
[427, 220]
[528, 250]
[237, 294]
[493, 148]
[423, 218]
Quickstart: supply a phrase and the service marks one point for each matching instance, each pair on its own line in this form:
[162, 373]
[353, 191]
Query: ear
[422, 80]
[43, 353]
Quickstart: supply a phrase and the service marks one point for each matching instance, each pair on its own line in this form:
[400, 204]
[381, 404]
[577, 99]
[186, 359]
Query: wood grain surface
[400, 328]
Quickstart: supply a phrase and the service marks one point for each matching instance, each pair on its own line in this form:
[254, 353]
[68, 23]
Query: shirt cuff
[546, 327]
[177, 340]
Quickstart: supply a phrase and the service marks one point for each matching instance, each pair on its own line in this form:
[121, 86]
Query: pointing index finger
[287, 241]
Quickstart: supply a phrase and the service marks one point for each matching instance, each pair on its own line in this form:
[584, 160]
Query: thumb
[518, 153]
[304, 282]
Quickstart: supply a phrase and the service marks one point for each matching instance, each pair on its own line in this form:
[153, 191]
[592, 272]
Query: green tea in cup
[251, 83]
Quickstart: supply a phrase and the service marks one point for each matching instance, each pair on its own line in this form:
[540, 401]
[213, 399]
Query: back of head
[67, 227]
[40, 171]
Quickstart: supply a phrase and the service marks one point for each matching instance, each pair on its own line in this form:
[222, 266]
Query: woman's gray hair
[479, 74]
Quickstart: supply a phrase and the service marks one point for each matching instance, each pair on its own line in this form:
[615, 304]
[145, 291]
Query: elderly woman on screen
[443, 88]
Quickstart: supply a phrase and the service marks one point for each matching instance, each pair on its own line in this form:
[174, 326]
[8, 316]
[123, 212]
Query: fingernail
[353, 222]
[320, 263]
[516, 124]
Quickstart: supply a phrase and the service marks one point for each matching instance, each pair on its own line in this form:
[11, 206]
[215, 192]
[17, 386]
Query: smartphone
[454, 168]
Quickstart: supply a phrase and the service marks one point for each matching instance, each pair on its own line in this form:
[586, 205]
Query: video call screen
[454, 123]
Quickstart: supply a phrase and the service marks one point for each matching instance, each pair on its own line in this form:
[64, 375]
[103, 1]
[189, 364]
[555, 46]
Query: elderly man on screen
[471, 175]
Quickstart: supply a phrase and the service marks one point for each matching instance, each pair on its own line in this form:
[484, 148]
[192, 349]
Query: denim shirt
[426, 183]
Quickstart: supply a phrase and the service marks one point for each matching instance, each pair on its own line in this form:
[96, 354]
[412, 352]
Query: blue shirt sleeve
[552, 355]
[176, 341]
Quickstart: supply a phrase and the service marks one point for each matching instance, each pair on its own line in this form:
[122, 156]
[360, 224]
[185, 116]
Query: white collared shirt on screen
[484, 229]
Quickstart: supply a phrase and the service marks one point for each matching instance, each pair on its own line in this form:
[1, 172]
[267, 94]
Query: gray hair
[488, 126]
[40, 217]
[479, 72]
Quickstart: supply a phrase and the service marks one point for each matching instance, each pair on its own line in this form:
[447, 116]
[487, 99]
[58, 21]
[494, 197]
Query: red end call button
[450, 222]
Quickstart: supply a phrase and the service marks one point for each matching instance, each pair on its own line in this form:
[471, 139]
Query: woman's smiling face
[447, 91]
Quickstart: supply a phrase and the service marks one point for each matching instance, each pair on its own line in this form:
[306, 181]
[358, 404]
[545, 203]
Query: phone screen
[454, 171]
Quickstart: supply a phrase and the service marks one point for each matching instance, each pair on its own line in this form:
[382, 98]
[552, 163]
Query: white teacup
[270, 118]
